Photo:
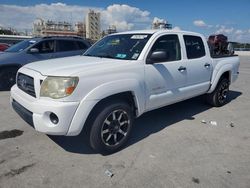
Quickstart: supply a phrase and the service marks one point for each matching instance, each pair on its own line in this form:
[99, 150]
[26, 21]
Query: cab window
[169, 46]
[194, 47]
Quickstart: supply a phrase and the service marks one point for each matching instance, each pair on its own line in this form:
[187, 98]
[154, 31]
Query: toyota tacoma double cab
[118, 79]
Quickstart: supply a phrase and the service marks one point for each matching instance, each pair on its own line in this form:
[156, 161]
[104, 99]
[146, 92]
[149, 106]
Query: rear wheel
[219, 96]
[111, 127]
[7, 78]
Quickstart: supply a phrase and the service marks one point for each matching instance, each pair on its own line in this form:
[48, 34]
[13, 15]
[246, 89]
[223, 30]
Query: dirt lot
[169, 147]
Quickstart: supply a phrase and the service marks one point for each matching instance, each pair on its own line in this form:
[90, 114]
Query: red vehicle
[3, 46]
[218, 44]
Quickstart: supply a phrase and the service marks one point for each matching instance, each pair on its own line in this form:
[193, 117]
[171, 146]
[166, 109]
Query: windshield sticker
[135, 56]
[122, 56]
[32, 41]
[139, 36]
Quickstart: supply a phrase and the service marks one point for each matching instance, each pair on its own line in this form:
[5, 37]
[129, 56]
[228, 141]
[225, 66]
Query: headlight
[58, 87]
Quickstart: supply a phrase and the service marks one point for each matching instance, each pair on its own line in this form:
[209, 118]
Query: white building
[49, 28]
[161, 24]
[93, 25]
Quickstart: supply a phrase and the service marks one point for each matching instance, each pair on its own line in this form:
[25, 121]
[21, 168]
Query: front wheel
[219, 96]
[111, 127]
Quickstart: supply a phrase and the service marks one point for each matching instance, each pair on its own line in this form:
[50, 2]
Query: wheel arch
[130, 90]
[224, 72]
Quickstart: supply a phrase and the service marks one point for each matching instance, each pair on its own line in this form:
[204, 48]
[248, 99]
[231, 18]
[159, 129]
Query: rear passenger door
[66, 48]
[199, 67]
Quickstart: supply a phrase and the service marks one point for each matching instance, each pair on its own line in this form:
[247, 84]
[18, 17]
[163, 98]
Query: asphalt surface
[169, 147]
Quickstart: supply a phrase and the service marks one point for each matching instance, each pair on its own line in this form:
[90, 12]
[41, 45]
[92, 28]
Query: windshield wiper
[88, 55]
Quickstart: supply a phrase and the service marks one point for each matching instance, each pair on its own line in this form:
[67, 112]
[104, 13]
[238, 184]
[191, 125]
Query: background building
[93, 25]
[51, 28]
[161, 24]
[80, 28]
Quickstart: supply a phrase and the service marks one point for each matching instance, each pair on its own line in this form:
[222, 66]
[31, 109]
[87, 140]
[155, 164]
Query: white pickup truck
[118, 79]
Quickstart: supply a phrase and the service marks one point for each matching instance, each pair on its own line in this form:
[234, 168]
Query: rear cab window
[194, 46]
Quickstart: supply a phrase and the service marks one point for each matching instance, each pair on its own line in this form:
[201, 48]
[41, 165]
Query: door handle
[207, 65]
[182, 69]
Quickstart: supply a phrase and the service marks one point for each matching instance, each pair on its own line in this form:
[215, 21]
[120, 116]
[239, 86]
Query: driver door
[166, 75]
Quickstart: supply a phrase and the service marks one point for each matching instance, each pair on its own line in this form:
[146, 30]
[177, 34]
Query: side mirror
[33, 50]
[158, 56]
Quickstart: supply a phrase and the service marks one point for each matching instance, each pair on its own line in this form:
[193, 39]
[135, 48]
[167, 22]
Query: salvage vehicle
[36, 49]
[118, 79]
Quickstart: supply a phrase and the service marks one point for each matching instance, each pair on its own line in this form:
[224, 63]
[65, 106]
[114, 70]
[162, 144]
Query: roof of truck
[153, 31]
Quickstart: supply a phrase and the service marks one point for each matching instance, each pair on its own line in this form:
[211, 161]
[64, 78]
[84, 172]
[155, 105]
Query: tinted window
[194, 47]
[81, 45]
[170, 44]
[66, 45]
[46, 46]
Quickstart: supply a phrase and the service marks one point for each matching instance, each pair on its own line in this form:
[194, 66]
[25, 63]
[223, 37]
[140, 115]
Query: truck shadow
[149, 123]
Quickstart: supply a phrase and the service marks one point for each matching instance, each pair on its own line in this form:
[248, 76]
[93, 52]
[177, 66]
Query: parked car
[118, 79]
[36, 49]
[3, 46]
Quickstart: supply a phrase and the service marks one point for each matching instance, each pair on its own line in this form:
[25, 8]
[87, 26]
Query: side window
[194, 47]
[81, 45]
[46, 46]
[66, 45]
[169, 44]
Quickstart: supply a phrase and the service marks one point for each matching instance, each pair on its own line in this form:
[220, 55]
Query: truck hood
[69, 66]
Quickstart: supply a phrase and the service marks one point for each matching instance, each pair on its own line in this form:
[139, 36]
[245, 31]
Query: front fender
[107, 89]
[101, 92]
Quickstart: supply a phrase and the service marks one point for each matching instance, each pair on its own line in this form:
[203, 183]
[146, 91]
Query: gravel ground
[169, 147]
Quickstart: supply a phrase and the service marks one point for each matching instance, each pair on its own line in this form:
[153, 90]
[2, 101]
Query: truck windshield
[20, 46]
[123, 46]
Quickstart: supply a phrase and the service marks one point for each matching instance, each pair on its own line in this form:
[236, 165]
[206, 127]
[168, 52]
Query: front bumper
[37, 112]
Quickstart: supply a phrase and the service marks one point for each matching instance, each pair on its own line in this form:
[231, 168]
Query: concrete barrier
[243, 53]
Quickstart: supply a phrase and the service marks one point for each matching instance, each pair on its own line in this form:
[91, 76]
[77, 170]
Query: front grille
[26, 84]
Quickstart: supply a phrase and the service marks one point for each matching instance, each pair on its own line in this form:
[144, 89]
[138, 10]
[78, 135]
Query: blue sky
[229, 17]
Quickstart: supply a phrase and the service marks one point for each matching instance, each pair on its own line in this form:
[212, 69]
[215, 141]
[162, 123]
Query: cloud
[199, 23]
[177, 28]
[223, 29]
[125, 17]
[239, 32]
[22, 17]
[234, 34]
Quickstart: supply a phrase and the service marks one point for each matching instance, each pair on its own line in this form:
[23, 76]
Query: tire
[7, 78]
[111, 127]
[219, 96]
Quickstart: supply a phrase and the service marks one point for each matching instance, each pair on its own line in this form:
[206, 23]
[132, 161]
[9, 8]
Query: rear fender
[218, 72]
